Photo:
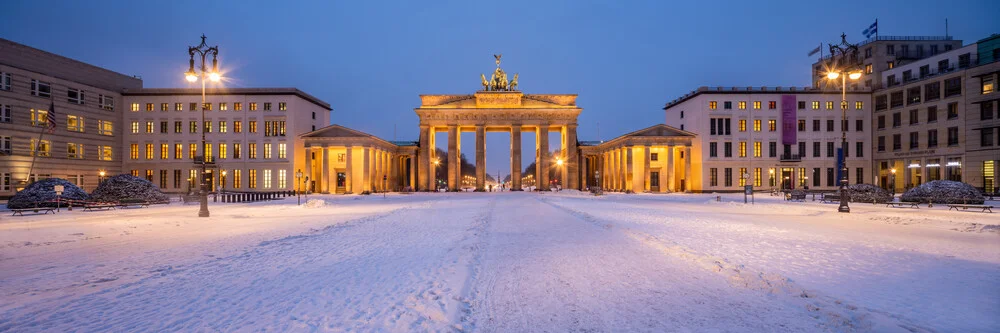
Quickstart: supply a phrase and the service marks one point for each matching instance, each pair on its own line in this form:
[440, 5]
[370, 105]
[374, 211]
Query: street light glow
[832, 75]
[854, 76]
[559, 162]
[215, 76]
[191, 77]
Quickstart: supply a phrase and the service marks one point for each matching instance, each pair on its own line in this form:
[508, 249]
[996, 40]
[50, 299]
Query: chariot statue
[498, 80]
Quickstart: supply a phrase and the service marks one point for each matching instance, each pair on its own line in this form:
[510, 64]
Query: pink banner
[788, 120]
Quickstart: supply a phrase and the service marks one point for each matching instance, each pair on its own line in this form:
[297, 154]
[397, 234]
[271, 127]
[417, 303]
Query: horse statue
[513, 83]
[486, 84]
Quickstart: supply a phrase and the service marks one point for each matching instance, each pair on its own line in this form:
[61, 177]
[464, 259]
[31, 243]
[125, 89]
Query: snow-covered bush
[128, 188]
[43, 191]
[944, 192]
[868, 193]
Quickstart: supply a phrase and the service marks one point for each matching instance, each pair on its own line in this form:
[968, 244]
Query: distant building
[779, 137]
[83, 103]
[882, 53]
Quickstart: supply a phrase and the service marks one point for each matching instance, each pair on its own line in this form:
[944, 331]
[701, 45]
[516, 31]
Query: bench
[903, 204]
[830, 197]
[796, 197]
[98, 206]
[133, 204]
[41, 210]
[984, 208]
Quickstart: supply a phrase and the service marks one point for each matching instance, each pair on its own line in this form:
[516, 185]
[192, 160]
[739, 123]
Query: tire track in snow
[833, 313]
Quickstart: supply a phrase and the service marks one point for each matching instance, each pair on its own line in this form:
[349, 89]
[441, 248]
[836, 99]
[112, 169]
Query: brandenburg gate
[498, 107]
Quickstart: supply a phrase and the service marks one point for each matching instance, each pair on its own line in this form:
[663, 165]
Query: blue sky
[371, 59]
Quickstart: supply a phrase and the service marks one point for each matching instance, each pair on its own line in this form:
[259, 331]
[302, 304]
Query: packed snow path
[509, 262]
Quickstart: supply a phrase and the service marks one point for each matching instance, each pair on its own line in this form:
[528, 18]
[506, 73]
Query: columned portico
[641, 161]
[350, 161]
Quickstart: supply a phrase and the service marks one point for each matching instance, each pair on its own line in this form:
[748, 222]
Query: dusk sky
[370, 60]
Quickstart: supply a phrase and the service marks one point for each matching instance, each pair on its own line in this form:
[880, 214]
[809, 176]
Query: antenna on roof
[946, 28]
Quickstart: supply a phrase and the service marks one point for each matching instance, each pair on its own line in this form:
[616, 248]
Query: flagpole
[38, 144]
[876, 28]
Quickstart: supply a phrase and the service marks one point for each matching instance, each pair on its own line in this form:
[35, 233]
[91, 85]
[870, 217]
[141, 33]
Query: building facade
[58, 118]
[882, 53]
[982, 116]
[252, 136]
[773, 137]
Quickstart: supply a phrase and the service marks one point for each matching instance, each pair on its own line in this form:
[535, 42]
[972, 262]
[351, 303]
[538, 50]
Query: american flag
[51, 119]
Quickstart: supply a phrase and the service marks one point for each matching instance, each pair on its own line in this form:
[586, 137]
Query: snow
[503, 262]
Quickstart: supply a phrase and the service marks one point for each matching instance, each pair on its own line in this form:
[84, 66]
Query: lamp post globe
[192, 76]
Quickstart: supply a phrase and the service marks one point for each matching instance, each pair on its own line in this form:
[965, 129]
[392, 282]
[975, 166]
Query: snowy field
[508, 262]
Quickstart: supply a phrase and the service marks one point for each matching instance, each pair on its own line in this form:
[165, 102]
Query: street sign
[59, 189]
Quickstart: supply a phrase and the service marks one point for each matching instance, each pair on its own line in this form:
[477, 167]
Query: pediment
[336, 131]
[660, 130]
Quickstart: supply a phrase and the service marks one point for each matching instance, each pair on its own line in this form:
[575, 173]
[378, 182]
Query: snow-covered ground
[503, 262]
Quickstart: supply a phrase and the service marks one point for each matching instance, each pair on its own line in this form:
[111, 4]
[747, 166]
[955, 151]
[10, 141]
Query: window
[952, 136]
[149, 151]
[74, 123]
[105, 152]
[682, 114]
[149, 127]
[802, 149]
[253, 126]
[208, 126]
[913, 95]
[712, 105]
[829, 125]
[986, 137]
[829, 149]
[282, 106]
[772, 105]
[222, 126]
[802, 105]
[757, 149]
[713, 177]
[988, 84]
[868, 69]
[253, 106]
[193, 106]
[713, 149]
[164, 151]
[164, 106]
[897, 142]
[178, 106]
[859, 125]
[208, 151]
[742, 125]
[237, 179]
[881, 143]
[39, 118]
[74, 150]
[133, 151]
[192, 150]
[943, 66]
[743, 149]
[281, 127]
[41, 89]
[953, 86]
[178, 151]
[729, 177]
[74, 96]
[4, 113]
[223, 107]
[282, 175]
[924, 71]
[914, 117]
[859, 105]
[223, 151]
[829, 105]
[964, 60]
[896, 99]
[816, 149]
[986, 110]
[163, 179]
[238, 107]
[727, 149]
[652, 156]
[772, 149]
[163, 127]
[252, 150]
[802, 177]
[815, 105]
[801, 125]
[105, 127]
[931, 114]
[267, 177]
[815, 125]
[178, 126]
[914, 140]
[742, 181]
[756, 125]
[149, 106]
[177, 178]
[989, 176]
[952, 110]
[5, 82]
[742, 105]
[881, 102]
[727, 105]
[932, 138]
[267, 150]
[881, 122]
[772, 125]
[897, 119]
[44, 148]
[267, 106]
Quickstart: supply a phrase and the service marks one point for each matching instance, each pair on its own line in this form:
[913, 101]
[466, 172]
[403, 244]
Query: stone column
[647, 182]
[542, 162]
[663, 179]
[688, 178]
[630, 177]
[302, 184]
[515, 157]
[413, 171]
[573, 167]
[670, 170]
[481, 158]
[425, 179]
[325, 173]
[366, 170]
[349, 161]
[454, 175]
[622, 169]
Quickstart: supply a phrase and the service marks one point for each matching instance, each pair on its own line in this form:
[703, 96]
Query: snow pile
[43, 191]
[315, 203]
[944, 192]
[127, 187]
[868, 193]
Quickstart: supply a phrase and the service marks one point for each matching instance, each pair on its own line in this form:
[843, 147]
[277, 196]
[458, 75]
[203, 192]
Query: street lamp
[848, 61]
[223, 181]
[892, 182]
[436, 162]
[101, 178]
[298, 187]
[205, 75]
[770, 173]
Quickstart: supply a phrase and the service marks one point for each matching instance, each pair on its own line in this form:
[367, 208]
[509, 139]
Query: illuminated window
[149, 127]
[133, 151]
[74, 150]
[178, 106]
[208, 152]
[193, 127]
[756, 177]
[267, 106]
[208, 106]
[223, 107]
[757, 149]
[222, 126]
[267, 150]
[859, 105]
[756, 105]
[742, 125]
[772, 105]
[772, 125]
[208, 126]
[281, 106]
[253, 106]
[106, 153]
[193, 150]
[815, 105]
[149, 106]
[238, 106]
[164, 106]
[743, 180]
[253, 178]
[829, 105]
[756, 125]
[281, 150]
[742, 105]
[222, 151]
[39, 118]
[267, 179]
[743, 149]
[164, 151]
[237, 179]
[282, 178]
[193, 106]
[178, 126]
[252, 150]
[236, 150]
[135, 107]
[178, 151]
[712, 105]
[237, 126]
[253, 126]
[149, 151]
[74, 123]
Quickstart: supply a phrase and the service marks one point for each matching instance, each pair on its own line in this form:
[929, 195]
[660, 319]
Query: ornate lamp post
[770, 173]
[298, 181]
[205, 75]
[101, 178]
[223, 181]
[846, 57]
[892, 182]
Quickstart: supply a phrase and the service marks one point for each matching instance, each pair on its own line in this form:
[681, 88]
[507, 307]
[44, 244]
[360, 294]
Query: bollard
[718, 198]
